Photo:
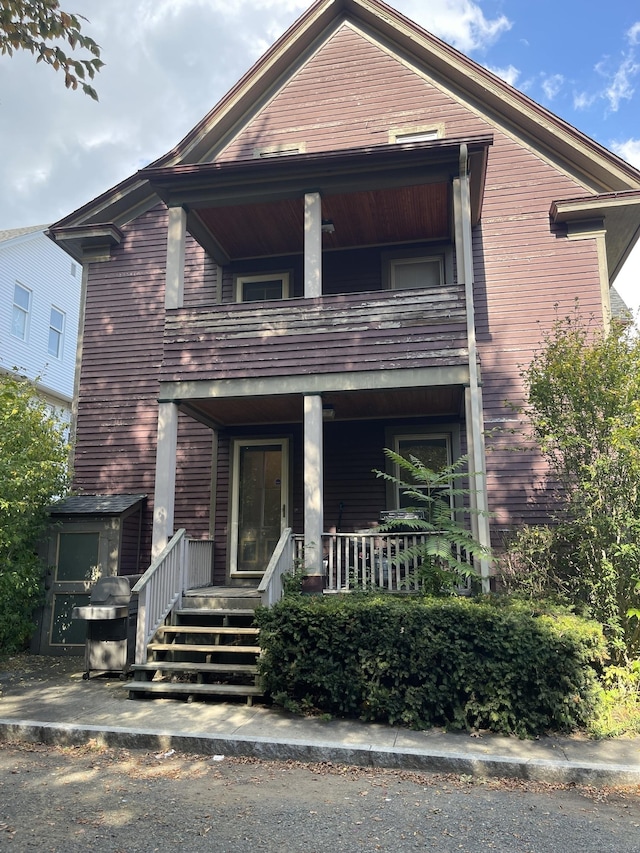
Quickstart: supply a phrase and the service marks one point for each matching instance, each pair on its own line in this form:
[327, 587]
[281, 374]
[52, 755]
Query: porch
[183, 573]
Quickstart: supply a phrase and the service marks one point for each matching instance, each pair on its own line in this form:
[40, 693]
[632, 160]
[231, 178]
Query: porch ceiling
[365, 218]
[437, 401]
[378, 195]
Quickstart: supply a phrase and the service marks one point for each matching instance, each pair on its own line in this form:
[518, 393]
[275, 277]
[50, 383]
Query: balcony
[373, 331]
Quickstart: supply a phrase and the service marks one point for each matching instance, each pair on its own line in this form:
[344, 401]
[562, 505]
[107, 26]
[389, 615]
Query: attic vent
[73, 270]
[416, 134]
[283, 150]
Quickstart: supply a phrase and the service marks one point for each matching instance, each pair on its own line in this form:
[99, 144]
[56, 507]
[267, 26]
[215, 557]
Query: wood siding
[418, 328]
[350, 93]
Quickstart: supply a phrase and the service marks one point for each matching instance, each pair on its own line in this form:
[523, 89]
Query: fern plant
[446, 555]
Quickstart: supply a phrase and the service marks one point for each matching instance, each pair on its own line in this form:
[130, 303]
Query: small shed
[91, 536]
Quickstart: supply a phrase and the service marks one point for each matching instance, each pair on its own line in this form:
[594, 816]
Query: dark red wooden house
[355, 249]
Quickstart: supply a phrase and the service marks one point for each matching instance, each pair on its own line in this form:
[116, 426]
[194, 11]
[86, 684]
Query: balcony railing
[422, 327]
[367, 561]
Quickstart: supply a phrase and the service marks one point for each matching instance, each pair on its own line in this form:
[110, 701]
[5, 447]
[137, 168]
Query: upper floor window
[416, 272]
[21, 311]
[257, 288]
[56, 331]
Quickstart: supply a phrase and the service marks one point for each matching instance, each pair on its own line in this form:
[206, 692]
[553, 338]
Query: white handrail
[159, 589]
[281, 562]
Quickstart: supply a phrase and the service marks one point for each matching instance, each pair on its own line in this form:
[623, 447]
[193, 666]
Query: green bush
[33, 473]
[489, 663]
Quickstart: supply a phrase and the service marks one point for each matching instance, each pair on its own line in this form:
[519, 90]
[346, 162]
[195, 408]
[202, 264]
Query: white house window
[416, 272]
[56, 331]
[259, 288]
[21, 310]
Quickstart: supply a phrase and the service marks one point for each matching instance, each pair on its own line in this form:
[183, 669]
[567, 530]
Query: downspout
[475, 407]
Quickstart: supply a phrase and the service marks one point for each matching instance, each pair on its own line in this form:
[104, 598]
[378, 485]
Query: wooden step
[187, 689]
[214, 612]
[192, 667]
[208, 629]
[206, 649]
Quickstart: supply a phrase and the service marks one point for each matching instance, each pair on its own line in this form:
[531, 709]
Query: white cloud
[462, 23]
[621, 80]
[629, 150]
[551, 85]
[509, 74]
[633, 34]
[582, 100]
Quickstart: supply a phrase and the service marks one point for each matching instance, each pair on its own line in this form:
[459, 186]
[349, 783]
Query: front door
[259, 503]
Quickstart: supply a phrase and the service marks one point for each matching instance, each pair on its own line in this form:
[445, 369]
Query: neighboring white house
[40, 297]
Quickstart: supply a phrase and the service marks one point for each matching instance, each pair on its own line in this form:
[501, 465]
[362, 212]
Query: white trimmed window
[56, 332]
[427, 271]
[264, 287]
[433, 451]
[21, 312]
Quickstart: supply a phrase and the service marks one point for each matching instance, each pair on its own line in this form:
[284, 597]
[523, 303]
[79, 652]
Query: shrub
[33, 472]
[488, 663]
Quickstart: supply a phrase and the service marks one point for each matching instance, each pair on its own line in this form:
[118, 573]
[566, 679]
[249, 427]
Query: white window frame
[241, 280]
[418, 436]
[25, 314]
[394, 263]
[59, 332]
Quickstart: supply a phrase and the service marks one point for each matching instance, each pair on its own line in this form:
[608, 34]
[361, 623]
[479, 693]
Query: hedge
[458, 663]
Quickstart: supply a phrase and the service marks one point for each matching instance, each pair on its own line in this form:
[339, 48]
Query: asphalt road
[90, 798]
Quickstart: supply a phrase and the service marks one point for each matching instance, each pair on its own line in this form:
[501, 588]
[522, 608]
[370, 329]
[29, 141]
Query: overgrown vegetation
[446, 558]
[33, 471]
[583, 402]
[483, 663]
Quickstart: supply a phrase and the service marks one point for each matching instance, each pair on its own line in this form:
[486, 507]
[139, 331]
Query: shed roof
[97, 504]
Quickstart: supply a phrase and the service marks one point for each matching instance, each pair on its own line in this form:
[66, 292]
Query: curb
[272, 749]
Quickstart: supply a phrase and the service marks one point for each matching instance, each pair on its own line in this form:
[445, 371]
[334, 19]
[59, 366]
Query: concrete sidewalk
[45, 700]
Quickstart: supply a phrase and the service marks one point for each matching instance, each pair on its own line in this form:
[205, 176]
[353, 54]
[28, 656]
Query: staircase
[210, 648]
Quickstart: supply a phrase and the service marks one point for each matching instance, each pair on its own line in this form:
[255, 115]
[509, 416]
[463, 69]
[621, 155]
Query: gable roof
[594, 167]
[14, 233]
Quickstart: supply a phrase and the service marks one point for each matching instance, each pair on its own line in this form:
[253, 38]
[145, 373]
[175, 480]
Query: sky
[168, 62]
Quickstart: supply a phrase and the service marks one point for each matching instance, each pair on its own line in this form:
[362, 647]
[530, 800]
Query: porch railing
[369, 560]
[281, 563]
[183, 564]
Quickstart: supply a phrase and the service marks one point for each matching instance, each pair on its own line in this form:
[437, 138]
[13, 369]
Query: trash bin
[107, 616]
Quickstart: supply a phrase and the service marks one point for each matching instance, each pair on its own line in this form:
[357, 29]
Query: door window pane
[433, 453]
[77, 556]
[64, 629]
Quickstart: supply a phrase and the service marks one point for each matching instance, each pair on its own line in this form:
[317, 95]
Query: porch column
[165, 488]
[176, 238]
[313, 496]
[473, 394]
[312, 245]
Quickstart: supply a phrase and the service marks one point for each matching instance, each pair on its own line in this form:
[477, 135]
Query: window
[433, 451]
[56, 330]
[21, 309]
[258, 288]
[416, 272]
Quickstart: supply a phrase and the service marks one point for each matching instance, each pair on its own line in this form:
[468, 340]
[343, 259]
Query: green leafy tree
[583, 390]
[39, 26]
[33, 472]
[447, 554]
